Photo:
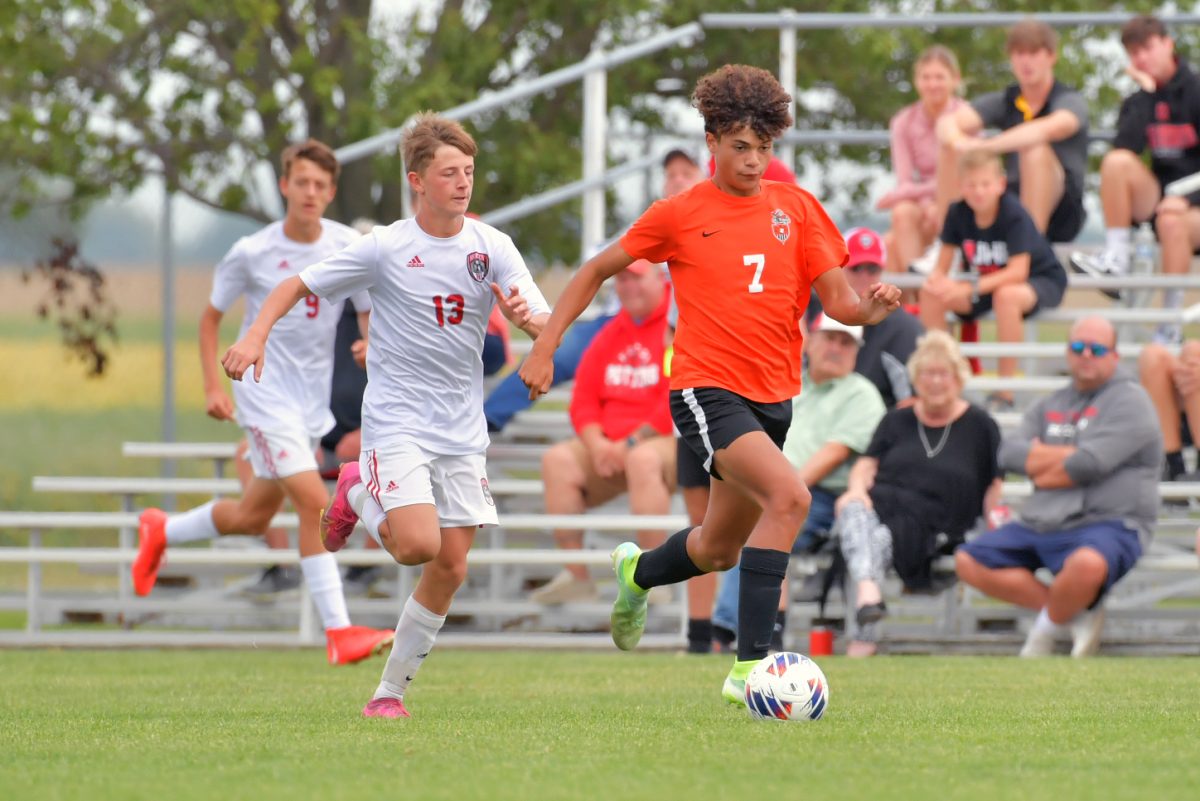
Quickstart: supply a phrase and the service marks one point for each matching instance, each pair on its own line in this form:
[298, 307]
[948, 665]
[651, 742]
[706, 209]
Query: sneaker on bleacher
[924, 264]
[358, 580]
[564, 588]
[1168, 334]
[1104, 264]
[1085, 632]
[276, 583]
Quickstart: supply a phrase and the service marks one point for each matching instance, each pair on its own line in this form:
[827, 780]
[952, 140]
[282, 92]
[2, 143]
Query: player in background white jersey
[286, 414]
[433, 282]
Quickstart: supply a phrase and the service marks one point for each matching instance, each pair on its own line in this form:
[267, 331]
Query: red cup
[820, 642]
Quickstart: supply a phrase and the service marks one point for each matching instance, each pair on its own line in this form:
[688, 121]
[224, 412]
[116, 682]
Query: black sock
[700, 635]
[758, 600]
[777, 632]
[669, 563]
[1175, 467]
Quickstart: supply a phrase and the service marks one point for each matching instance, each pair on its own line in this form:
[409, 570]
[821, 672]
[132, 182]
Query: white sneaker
[564, 588]
[1085, 632]
[1168, 334]
[1039, 643]
[1104, 264]
[925, 263]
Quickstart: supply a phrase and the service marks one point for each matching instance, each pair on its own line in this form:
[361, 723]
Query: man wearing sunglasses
[1092, 451]
[886, 346]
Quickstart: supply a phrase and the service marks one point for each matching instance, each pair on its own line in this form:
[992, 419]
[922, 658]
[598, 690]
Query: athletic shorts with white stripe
[710, 419]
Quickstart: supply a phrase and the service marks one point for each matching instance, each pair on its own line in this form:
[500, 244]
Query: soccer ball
[786, 686]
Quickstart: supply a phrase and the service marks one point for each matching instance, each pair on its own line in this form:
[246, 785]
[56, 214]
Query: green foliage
[100, 95]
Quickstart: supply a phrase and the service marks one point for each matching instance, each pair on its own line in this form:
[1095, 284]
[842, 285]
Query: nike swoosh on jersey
[707, 234]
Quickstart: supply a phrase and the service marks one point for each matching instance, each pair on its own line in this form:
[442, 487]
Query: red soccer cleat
[385, 708]
[351, 644]
[152, 542]
[338, 521]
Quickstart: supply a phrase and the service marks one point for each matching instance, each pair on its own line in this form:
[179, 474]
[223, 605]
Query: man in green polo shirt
[833, 419]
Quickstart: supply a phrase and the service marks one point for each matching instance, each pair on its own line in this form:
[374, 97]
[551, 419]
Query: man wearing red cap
[887, 345]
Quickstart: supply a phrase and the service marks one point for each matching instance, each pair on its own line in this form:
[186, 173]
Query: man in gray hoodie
[1092, 451]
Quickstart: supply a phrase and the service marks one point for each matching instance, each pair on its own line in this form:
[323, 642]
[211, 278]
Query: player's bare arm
[217, 403]
[515, 309]
[841, 303]
[358, 348]
[248, 350]
[538, 370]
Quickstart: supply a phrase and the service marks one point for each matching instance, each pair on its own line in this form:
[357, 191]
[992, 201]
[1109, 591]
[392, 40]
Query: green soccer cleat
[629, 610]
[734, 688]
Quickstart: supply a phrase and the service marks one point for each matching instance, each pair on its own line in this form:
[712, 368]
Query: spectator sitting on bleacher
[1164, 116]
[927, 476]
[1015, 271]
[622, 419]
[887, 345]
[832, 422]
[1173, 383]
[915, 218]
[1043, 133]
[1092, 451]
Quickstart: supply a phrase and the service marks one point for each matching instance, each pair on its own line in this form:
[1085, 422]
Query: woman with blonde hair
[915, 219]
[928, 475]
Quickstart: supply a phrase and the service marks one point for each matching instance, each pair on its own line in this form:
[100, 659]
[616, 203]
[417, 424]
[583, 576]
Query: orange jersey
[743, 269]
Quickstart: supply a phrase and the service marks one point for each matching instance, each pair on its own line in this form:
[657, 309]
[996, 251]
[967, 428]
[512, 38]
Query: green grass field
[265, 725]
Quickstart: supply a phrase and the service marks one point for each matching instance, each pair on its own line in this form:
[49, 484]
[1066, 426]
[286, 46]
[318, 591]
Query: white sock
[415, 633]
[192, 525]
[325, 586]
[1116, 242]
[1172, 298]
[1045, 624]
[368, 509]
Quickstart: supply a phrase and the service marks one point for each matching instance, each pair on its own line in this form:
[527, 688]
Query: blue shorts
[1015, 545]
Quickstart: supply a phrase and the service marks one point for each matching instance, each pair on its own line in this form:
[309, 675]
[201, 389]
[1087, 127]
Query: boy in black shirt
[1163, 116]
[1015, 270]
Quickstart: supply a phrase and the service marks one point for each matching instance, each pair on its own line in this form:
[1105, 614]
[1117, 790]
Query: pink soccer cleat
[338, 521]
[385, 708]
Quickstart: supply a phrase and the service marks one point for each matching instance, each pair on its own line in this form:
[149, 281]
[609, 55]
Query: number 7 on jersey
[757, 261]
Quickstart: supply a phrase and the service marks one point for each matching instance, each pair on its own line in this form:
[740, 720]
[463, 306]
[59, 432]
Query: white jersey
[432, 298]
[298, 370]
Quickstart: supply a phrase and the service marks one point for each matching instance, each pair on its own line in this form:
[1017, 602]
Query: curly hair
[737, 96]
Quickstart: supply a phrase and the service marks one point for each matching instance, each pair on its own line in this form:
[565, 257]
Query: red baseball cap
[865, 246]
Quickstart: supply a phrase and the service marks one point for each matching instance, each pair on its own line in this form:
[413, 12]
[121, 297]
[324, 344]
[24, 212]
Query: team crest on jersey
[477, 266]
[781, 225]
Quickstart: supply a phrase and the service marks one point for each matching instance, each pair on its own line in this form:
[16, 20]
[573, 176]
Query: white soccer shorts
[457, 486]
[279, 454]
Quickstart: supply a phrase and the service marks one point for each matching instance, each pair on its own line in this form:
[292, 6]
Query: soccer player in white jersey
[284, 415]
[433, 281]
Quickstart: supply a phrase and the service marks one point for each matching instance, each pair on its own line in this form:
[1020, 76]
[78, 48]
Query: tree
[102, 94]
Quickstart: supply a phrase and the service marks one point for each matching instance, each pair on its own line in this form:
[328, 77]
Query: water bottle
[1144, 246]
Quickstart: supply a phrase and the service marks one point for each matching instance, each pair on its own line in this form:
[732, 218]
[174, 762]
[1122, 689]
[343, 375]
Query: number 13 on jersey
[757, 261]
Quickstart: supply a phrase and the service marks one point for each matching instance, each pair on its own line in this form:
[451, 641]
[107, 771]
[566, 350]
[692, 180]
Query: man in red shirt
[622, 420]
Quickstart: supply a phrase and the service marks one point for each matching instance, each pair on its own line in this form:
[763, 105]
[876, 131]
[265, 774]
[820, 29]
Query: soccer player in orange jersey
[743, 254]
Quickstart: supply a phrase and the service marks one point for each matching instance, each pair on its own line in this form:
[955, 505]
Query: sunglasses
[1078, 346]
[871, 269]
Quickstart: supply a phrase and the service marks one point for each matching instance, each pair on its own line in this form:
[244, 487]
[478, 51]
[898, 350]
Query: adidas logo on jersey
[283, 265]
[415, 261]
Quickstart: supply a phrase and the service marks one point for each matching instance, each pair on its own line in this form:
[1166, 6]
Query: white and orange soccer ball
[786, 686]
